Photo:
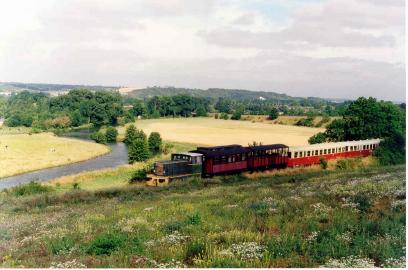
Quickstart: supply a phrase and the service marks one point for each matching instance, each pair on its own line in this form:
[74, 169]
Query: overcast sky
[326, 48]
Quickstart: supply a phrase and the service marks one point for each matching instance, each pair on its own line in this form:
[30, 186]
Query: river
[118, 156]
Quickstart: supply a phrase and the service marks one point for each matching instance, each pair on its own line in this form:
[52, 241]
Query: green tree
[391, 150]
[99, 137]
[111, 134]
[317, 138]
[138, 150]
[273, 114]
[76, 118]
[335, 131]
[130, 134]
[236, 115]
[155, 142]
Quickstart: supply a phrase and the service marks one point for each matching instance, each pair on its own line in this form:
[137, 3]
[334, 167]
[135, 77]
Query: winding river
[118, 156]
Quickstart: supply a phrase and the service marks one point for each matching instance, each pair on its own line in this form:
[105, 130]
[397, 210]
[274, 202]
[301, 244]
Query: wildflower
[395, 263]
[350, 262]
[148, 209]
[231, 206]
[247, 250]
[312, 236]
[68, 264]
[345, 237]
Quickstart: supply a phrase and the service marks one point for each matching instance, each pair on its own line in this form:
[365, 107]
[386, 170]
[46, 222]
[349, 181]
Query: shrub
[130, 134]
[216, 116]
[363, 202]
[236, 115]
[75, 185]
[155, 142]
[306, 122]
[99, 137]
[344, 164]
[323, 163]
[138, 151]
[391, 150]
[105, 244]
[61, 245]
[166, 148]
[29, 189]
[317, 138]
[194, 250]
[224, 116]
[273, 114]
[138, 176]
[111, 134]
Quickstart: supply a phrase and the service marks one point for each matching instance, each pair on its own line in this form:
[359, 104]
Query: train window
[329, 151]
[300, 154]
[290, 154]
[334, 150]
[316, 152]
[308, 153]
[321, 152]
[296, 155]
[325, 151]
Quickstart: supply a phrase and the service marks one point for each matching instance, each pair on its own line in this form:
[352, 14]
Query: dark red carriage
[267, 156]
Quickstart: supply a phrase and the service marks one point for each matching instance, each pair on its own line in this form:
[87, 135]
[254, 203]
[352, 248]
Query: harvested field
[209, 131]
[23, 152]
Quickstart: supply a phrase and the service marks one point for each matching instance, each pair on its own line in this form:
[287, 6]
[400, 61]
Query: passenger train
[229, 159]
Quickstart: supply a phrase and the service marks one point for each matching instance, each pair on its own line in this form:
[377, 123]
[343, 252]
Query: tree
[76, 118]
[139, 109]
[138, 150]
[236, 115]
[155, 142]
[111, 134]
[273, 114]
[335, 131]
[391, 150]
[317, 138]
[98, 137]
[130, 134]
[223, 105]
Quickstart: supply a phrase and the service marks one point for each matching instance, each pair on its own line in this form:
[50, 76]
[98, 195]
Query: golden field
[210, 131]
[23, 152]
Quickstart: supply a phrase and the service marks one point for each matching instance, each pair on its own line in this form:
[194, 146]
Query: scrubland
[350, 218]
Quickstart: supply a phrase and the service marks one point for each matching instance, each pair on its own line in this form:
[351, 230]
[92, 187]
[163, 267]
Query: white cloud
[331, 48]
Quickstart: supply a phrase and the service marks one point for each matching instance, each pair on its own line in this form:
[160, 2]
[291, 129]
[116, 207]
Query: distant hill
[234, 94]
[45, 87]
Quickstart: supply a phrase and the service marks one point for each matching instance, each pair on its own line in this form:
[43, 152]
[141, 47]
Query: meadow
[20, 153]
[210, 131]
[318, 218]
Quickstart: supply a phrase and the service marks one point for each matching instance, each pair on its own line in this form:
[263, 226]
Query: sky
[324, 48]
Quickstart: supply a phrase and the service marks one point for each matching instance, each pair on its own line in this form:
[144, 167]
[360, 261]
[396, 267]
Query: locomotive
[235, 158]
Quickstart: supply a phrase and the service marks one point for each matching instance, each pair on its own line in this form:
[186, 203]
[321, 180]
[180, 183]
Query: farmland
[209, 131]
[340, 218]
[21, 153]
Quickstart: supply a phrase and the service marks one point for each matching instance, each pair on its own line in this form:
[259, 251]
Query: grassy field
[340, 219]
[23, 152]
[210, 131]
[284, 119]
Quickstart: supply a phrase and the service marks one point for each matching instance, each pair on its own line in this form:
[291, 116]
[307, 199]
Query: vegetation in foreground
[22, 153]
[341, 219]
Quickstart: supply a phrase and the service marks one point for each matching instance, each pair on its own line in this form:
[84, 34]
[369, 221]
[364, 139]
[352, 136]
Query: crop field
[21, 153]
[333, 219]
[210, 131]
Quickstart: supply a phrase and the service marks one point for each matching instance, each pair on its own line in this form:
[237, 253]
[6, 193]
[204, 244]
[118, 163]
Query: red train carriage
[223, 159]
[267, 156]
[311, 154]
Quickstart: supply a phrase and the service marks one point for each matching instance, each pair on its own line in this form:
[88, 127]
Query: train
[235, 158]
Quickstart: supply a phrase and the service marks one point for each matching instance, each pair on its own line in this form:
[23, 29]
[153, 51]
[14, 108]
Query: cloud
[329, 48]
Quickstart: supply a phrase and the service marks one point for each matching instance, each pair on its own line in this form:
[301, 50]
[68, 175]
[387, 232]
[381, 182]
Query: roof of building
[222, 151]
[267, 147]
[333, 145]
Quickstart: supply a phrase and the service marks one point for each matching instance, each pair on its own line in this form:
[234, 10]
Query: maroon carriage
[223, 159]
[267, 156]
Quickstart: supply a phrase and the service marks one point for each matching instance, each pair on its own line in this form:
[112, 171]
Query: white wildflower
[68, 264]
[247, 250]
[395, 263]
[350, 262]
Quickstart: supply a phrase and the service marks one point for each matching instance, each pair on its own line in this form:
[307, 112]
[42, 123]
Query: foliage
[224, 116]
[155, 142]
[273, 114]
[236, 115]
[99, 137]
[323, 163]
[138, 176]
[195, 250]
[391, 150]
[106, 243]
[111, 134]
[335, 131]
[138, 150]
[130, 134]
[29, 189]
[317, 138]
[306, 122]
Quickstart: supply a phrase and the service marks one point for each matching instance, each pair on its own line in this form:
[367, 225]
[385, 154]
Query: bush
[216, 116]
[323, 163]
[317, 138]
[273, 114]
[305, 122]
[224, 116]
[236, 115]
[138, 176]
[155, 142]
[344, 164]
[98, 137]
[111, 134]
[29, 189]
[105, 244]
[138, 151]
[61, 245]
[391, 150]
[130, 134]
[75, 185]
[194, 250]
